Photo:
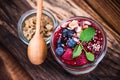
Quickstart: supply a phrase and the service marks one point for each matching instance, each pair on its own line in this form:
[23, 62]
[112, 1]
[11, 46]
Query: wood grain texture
[10, 12]
[10, 69]
[4, 75]
[108, 10]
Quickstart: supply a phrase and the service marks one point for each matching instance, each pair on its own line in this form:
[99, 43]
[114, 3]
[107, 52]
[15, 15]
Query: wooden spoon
[37, 49]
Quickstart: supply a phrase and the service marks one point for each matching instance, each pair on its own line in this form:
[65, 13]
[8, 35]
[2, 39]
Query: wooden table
[14, 64]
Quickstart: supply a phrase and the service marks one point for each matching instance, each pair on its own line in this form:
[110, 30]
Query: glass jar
[28, 14]
[77, 70]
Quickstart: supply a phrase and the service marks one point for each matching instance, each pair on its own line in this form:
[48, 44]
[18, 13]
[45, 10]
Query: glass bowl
[78, 70]
[28, 14]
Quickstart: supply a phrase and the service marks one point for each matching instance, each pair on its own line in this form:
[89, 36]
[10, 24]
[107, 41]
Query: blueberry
[71, 43]
[60, 51]
[70, 33]
[65, 32]
[60, 45]
[59, 41]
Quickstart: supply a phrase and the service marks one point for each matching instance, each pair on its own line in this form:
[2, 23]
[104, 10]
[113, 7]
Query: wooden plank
[4, 75]
[10, 69]
[50, 69]
[109, 10]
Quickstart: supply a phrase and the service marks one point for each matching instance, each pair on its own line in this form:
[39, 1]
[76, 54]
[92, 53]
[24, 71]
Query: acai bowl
[78, 44]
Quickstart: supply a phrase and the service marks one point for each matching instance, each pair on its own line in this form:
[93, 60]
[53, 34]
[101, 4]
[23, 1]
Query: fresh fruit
[70, 33]
[65, 32]
[71, 43]
[59, 41]
[68, 54]
[60, 45]
[59, 50]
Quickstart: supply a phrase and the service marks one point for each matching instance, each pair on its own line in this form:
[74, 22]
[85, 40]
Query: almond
[49, 27]
[73, 24]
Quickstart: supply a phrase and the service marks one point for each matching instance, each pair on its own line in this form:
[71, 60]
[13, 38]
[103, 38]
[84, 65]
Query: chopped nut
[29, 27]
[49, 27]
[73, 24]
[78, 29]
[45, 30]
[48, 34]
[27, 22]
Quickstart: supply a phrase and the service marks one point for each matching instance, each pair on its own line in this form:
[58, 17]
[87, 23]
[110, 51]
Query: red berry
[68, 54]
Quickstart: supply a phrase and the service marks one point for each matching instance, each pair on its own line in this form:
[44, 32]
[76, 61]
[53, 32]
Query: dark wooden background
[14, 64]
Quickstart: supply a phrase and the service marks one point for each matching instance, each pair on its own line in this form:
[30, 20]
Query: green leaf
[90, 56]
[77, 51]
[87, 34]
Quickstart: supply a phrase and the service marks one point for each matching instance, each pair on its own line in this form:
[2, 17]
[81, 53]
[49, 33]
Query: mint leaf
[90, 56]
[87, 34]
[77, 51]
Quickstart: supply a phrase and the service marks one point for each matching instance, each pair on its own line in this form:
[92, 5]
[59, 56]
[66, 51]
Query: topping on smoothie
[77, 51]
[90, 56]
[87, 34]
[73, 24]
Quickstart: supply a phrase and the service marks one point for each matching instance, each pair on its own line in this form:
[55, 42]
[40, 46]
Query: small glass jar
[78, 70]
[28, 14]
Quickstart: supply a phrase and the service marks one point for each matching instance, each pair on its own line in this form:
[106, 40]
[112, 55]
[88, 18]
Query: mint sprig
[77, 51]
[87, 34]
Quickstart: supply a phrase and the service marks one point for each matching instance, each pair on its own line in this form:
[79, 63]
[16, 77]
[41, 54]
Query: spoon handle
[39, 15]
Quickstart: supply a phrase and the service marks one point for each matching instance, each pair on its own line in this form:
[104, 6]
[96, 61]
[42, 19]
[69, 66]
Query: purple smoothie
[94, 45]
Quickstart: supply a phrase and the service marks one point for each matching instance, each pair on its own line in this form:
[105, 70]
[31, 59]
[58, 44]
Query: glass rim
[26, 15]
[97, 60]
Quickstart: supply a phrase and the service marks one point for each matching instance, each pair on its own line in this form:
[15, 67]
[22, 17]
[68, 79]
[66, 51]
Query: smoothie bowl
[78, 44]
[27, 25]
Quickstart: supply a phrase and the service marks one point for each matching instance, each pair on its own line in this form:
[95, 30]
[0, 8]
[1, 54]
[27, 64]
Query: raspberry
[68, 54]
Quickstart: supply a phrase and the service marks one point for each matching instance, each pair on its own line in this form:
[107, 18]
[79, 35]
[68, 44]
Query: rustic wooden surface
[14, 64]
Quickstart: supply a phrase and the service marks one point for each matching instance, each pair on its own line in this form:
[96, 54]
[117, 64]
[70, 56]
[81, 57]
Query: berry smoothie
[78, 42]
